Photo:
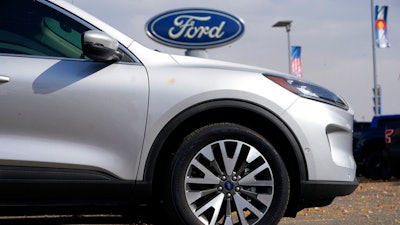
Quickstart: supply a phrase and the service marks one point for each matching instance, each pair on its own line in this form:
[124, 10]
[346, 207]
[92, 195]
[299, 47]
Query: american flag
[295, 61]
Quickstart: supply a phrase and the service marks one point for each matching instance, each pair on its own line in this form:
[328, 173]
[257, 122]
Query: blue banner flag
[295, 61]
[381, 27]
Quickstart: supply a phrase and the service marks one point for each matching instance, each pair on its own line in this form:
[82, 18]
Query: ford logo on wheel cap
[195, 28]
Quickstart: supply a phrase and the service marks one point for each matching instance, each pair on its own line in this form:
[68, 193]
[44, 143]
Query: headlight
[308, 90]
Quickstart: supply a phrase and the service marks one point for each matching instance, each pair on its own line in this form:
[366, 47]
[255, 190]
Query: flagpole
[288, 38]
[376, 110]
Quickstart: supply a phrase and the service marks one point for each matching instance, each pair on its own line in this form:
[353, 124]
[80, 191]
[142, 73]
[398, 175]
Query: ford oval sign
[195, 28]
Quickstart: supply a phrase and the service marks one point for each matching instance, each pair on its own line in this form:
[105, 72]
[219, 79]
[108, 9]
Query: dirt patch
[373, 202]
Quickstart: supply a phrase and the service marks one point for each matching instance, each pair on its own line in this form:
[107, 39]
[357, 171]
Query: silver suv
[92, 122]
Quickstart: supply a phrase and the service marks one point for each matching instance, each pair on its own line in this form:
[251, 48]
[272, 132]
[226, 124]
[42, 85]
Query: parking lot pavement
[373, 203]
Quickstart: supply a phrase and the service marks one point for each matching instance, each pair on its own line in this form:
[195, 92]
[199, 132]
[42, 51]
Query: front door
[60, 109]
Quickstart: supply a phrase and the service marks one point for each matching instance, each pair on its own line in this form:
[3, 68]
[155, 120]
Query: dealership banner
[381, 27]
[295, 61]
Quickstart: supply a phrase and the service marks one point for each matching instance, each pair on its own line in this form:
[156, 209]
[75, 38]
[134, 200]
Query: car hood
[195, 62]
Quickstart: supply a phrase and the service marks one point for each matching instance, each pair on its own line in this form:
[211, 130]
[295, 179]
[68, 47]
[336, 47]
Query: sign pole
[201, 53]
[287, 25]
[289, 48]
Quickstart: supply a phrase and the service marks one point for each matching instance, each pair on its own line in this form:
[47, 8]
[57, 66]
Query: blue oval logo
[229, 185]
[195, 28]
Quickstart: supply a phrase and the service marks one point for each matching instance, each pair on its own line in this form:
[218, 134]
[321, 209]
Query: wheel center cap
[229, 185]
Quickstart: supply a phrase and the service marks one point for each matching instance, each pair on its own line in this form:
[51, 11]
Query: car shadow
[63, 74]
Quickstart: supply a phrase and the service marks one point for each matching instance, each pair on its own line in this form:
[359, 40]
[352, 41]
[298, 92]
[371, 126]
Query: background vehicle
[93, 122]
[369, 146]
[392, 139]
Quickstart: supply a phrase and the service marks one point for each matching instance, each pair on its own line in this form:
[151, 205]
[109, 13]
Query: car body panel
[163, 86]
[331, 129]
[45, 119]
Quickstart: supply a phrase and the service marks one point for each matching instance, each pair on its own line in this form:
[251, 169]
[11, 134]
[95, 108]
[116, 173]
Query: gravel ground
[373, 202]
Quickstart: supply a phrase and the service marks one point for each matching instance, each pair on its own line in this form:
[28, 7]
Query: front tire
[227, 174]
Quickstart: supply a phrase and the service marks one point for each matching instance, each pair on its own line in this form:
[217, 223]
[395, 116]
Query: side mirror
[99, 46]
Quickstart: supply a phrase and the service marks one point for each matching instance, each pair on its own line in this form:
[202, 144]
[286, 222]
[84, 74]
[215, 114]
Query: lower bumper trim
[322, 193]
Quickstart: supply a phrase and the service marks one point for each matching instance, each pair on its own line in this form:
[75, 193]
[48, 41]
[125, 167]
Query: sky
[335, 36]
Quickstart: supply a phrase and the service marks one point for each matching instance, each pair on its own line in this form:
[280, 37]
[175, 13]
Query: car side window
[30, 28]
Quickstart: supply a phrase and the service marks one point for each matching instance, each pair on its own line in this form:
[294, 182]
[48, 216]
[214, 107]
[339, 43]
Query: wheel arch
[244, 113]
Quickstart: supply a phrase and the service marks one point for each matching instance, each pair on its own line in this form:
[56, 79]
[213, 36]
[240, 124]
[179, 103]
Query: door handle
[4, 79]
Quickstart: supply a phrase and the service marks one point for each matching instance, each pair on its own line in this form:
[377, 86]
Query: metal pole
[289, 50]
[376, 110]
[286, 24]
[201, 53]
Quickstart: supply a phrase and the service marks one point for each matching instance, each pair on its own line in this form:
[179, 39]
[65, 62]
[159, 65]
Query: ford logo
[195, 28]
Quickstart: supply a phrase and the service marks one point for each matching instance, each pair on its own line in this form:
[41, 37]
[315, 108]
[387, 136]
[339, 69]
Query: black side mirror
[99, 46]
